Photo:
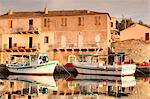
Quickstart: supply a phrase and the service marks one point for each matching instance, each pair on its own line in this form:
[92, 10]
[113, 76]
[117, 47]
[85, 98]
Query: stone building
[135, 31]
[115, 33]
[58, 33]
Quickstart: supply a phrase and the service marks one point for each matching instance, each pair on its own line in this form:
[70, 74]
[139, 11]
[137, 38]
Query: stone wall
[138, 50]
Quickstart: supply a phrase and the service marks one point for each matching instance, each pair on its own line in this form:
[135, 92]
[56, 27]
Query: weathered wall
[136, 31]
[138, 50]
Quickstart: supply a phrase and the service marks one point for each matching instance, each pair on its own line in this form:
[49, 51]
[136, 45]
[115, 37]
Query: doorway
[146, 36]
[10, 42]
[30, 42]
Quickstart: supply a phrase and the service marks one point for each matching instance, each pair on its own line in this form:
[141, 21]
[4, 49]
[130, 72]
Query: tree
[141, 22]
[124, 23]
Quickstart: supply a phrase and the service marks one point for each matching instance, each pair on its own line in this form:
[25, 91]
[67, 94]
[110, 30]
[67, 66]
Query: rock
[138, 50]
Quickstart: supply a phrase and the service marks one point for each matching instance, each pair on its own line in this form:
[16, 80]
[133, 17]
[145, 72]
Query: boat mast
[29, 59]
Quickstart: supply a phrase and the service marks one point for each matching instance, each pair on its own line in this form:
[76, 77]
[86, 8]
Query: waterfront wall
[54, 30]
[138, 50]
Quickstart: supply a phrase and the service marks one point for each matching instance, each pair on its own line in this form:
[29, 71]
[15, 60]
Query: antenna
[125, 21]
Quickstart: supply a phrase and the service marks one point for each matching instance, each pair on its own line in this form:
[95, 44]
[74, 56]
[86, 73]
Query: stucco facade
[54, 32]
[136, 31]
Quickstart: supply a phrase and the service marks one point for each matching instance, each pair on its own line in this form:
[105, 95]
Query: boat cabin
[101, 58]
[32, 59]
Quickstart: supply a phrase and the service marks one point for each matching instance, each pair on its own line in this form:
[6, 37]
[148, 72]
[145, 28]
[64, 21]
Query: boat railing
[118, 59]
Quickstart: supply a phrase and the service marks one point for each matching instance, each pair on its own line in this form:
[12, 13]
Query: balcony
[21, 47]
[31, 30]
[75, 46]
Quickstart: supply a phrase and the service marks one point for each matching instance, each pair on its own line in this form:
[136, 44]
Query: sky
[135, 9]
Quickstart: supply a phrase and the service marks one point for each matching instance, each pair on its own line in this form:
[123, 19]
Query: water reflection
[94, 86]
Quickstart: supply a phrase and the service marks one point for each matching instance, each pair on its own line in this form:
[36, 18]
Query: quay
[64, 34]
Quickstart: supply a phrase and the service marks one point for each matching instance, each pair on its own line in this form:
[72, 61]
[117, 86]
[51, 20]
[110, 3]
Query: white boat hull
[46, 68]
[125, 69]
[47, 81]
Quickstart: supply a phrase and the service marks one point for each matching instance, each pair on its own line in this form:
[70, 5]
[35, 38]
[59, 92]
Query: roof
[52, 13]
[135, 26]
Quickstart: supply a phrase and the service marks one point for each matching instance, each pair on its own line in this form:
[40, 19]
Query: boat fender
[106, 68]
[97, 66]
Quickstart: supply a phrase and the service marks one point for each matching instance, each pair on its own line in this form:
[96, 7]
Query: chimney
[10, 12]
[46, 10]
[88, 11]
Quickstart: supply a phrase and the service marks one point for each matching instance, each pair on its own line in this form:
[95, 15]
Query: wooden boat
[32, 64]
[92, 64]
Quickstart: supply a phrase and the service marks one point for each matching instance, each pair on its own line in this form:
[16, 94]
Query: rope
[140, 71]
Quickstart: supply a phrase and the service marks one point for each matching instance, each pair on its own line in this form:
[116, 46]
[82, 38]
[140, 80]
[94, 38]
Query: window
[71, 59]
[80, 40]
[30, 42]
[31, 24]
[146, 36]
[10, 23]
[81, 21]
[46, 39]
[97, 20]
[63, 41]
[45, 22]
[63, 21]
[112, 24]
[10, 42]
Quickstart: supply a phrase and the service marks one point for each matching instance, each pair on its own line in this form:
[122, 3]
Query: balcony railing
[31, 30]
[21, 46]
[77, 46]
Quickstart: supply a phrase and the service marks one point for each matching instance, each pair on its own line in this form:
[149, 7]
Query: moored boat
[92, 64]
[31, 64]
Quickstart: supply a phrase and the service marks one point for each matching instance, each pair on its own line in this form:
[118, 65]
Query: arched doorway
[71, 59]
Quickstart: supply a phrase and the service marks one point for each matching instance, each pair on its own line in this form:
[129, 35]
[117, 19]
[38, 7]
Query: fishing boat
[95, 64]
[31, 64]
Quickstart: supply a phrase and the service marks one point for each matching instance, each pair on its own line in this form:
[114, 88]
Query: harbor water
[65, 86]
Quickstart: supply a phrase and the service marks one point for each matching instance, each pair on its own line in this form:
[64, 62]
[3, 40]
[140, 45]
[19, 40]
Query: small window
[46, 39]
[81, 21]
[31, 22]
[97, 20]
[63, 21]
[146, 36]
[71, 59]
[45, 22]
[10, 23]
[112, 24]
